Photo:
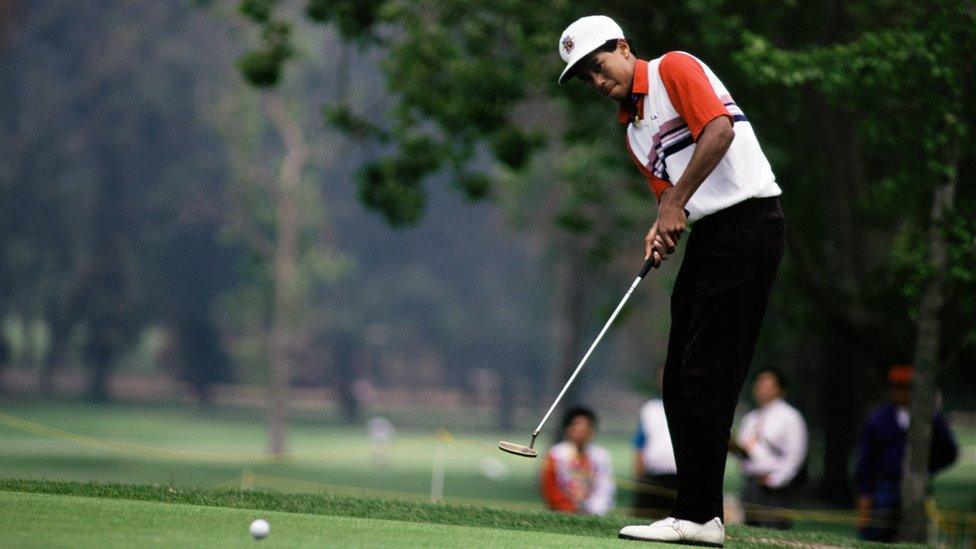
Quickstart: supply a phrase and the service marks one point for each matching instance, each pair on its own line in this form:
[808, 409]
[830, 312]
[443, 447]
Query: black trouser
[717, 308]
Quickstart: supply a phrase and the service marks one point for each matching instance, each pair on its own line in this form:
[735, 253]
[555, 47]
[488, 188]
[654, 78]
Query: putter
[530, 451]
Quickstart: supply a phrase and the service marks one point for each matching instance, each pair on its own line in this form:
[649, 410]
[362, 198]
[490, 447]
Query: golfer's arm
[713, 142]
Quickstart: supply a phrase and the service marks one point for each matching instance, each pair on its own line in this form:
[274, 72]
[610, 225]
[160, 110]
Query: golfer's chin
[617, 93]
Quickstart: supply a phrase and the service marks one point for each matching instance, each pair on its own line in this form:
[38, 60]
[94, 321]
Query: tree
[285, 267]
[467, 80]
[115, 166]
[924, 45]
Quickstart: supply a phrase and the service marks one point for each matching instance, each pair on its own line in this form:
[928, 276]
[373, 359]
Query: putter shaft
[590, 350]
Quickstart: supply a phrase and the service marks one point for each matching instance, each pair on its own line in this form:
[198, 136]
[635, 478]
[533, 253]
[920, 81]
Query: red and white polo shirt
[676, 95]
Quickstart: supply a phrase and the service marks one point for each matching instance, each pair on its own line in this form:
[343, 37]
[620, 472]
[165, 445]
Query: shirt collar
[633, 110]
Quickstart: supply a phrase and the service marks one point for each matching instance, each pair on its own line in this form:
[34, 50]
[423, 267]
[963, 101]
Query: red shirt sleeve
[690, 91]
[551, 493]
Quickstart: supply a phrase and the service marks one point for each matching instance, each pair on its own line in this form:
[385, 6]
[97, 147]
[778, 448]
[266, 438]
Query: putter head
[517, 449]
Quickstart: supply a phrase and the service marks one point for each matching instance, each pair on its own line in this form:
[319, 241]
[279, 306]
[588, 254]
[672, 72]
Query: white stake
[437, 475]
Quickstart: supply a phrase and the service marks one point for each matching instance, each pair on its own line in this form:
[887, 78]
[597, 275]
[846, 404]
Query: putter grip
[648, 265]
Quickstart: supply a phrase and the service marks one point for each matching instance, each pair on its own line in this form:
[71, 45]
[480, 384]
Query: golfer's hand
[654, 245]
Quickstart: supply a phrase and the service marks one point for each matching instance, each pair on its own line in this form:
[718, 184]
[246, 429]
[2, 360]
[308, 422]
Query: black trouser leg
[717, 309]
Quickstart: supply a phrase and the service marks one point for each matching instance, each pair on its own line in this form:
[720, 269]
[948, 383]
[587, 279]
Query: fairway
[43, 520]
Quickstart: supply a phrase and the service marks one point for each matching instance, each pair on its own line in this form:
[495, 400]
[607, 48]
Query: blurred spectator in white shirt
[772, 448]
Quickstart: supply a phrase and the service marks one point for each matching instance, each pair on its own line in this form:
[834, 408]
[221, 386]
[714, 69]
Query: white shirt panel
[743, 173]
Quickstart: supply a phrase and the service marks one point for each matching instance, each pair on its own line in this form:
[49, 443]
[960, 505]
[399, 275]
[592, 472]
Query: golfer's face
[610, 74]
[580, 430]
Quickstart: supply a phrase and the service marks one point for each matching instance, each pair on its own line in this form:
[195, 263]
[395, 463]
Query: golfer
[703, 162]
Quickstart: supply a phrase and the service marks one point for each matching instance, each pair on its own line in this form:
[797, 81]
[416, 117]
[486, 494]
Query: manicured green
[330, 504]
[39, 513]
[70, 521]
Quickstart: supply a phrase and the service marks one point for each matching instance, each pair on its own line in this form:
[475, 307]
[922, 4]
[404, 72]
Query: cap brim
[570, 71]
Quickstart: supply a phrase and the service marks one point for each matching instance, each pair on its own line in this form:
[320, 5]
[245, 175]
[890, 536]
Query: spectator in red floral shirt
[577, 475]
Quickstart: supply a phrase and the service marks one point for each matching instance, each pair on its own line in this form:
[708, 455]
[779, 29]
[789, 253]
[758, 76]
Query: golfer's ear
[623, 47]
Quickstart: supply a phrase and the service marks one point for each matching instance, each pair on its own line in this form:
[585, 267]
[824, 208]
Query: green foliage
[258, 11]
[384, 187]
[960, 230]
[342, 118]
[514, 147]
[573, 220]
[355, 19]
[458, 71]
[262, 67]
[904, 87]
[475, 186]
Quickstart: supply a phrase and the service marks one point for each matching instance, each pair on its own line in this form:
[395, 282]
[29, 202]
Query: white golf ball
[260, 528]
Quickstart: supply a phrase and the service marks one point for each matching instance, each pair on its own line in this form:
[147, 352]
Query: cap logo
[568, 43]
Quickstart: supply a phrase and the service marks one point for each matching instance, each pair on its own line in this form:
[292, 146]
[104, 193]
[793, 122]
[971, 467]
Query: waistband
[746, 209]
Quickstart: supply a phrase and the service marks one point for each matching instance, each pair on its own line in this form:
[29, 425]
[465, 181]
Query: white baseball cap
[583, 37]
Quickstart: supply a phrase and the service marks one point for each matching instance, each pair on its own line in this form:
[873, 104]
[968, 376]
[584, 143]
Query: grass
[70, 521]
[174, 445]
[56, 514]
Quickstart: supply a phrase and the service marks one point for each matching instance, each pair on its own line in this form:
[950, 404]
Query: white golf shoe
[672, 530]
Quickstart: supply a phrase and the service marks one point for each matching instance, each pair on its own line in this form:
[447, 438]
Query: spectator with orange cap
[881, 453]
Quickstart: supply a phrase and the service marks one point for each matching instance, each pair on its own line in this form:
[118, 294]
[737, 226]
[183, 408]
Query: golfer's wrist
[673, 198]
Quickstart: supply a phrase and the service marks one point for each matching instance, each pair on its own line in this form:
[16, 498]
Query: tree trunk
[842, 401]
[345, 376]
[60, 334]
[99, 354]
[915, 481]
[4, 357]
[285, 271]
[28, 344]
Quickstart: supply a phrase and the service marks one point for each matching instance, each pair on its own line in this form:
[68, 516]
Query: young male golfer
[704, 164]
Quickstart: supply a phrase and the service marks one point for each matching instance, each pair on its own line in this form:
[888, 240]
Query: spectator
[654, 466]
[772, 449]
[881, 453]
[577, 476]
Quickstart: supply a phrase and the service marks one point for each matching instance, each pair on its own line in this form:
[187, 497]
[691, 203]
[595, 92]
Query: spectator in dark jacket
[881, 454]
